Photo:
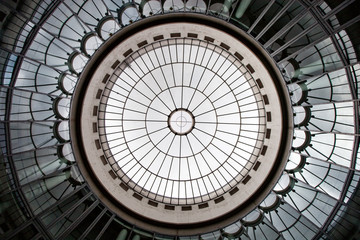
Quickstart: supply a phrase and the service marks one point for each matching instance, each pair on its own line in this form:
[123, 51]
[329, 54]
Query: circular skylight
[58, 59]
[183, 119]
[174, 124]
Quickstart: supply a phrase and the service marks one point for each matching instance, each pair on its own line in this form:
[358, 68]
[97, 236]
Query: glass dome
[159, 102]
[201, 118]
[179, 124]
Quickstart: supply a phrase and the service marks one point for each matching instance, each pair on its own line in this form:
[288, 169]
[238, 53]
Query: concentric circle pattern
[183, 119]
[180, 122]
[121, 119]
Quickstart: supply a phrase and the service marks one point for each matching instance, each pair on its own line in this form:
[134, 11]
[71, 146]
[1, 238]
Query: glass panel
[45, 46]
[27, 233]
[85, 223]
[115, 230]
[275, 8]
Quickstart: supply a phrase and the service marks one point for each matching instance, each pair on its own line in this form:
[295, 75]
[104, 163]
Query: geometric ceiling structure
[179, 119]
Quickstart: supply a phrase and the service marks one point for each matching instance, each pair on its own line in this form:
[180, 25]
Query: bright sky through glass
[183, 119]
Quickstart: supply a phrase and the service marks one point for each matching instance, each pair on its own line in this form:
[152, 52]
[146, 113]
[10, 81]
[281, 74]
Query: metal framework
[44, 48]
[192, 145]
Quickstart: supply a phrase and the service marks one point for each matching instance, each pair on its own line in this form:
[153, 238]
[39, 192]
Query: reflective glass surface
[44, 47]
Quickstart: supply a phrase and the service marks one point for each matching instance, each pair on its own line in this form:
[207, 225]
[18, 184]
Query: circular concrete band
[122, 196]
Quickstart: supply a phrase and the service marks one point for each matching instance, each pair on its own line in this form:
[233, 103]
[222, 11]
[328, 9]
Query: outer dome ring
[156, 224]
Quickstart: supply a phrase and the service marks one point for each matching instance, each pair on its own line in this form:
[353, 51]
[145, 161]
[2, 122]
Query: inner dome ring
[185, 121]
[175, 165]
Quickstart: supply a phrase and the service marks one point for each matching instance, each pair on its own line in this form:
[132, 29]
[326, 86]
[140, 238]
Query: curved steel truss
[44, 48]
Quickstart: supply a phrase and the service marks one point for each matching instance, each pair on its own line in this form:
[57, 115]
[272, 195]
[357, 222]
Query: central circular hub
[181, 121]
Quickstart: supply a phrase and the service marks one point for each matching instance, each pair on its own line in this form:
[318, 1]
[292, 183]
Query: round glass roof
[58, 178]
[171, 124]
[183, 119]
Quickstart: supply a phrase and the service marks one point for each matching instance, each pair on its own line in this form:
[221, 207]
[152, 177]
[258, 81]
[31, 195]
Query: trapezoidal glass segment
[183, 119]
